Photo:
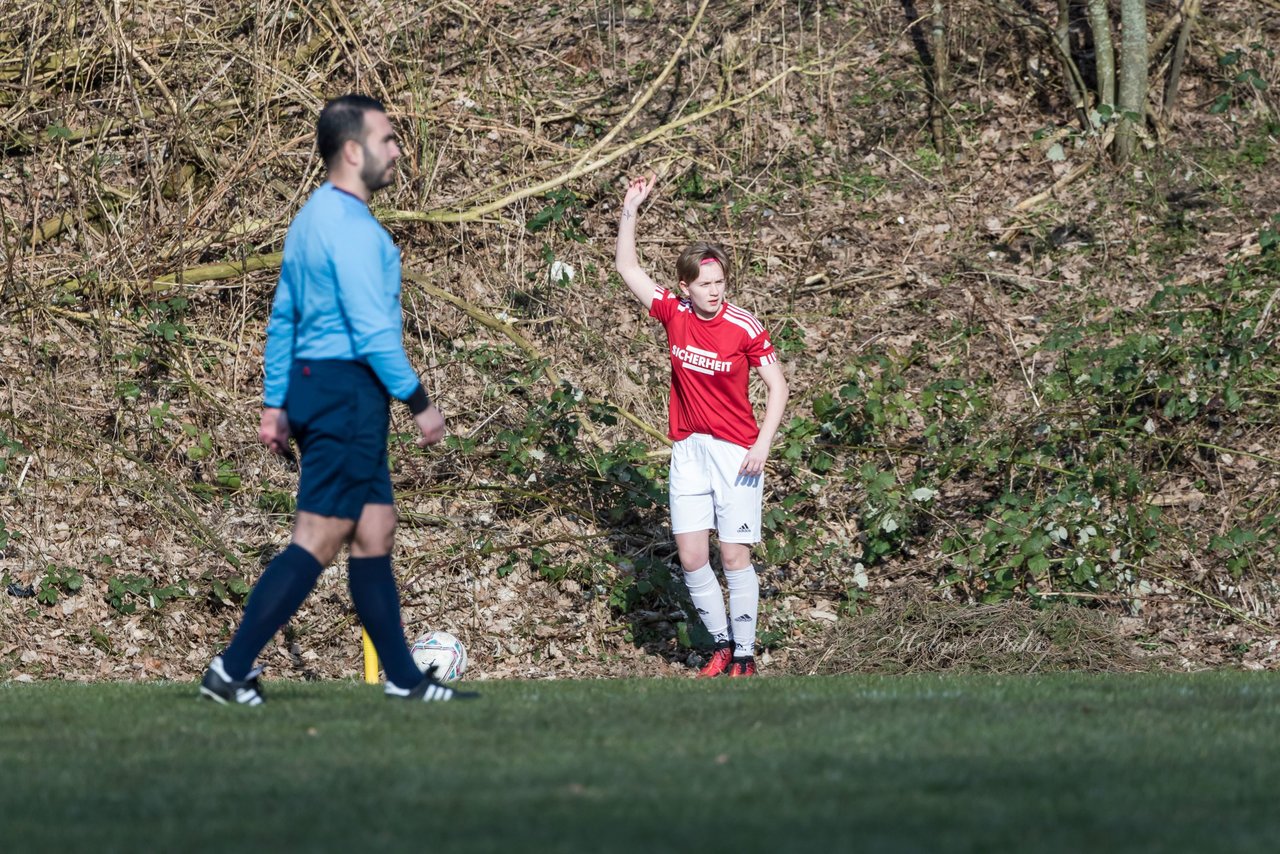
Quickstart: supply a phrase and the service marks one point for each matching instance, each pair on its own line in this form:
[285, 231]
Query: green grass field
[1048, 763]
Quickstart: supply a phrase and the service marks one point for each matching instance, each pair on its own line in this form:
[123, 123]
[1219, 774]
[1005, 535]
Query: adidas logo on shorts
[744, 528]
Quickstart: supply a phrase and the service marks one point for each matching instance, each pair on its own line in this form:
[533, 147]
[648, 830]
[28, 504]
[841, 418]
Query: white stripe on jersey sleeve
[744, 318]
[752, 331]
[769, 359]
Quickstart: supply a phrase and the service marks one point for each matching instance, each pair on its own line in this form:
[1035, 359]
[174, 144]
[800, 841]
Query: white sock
[708, 598]
[744, 605]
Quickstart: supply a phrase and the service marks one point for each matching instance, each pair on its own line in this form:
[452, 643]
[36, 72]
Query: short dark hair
[340, 120]
[689, 264]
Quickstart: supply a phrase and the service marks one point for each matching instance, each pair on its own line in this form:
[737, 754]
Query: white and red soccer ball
[442, 651]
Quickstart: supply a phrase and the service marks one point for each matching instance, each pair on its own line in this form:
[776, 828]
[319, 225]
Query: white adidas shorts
[706, 491]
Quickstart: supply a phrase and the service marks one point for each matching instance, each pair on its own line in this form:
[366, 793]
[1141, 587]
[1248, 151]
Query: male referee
[334, 359]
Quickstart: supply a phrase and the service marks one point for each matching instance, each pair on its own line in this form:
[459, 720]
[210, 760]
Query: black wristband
[418, 401]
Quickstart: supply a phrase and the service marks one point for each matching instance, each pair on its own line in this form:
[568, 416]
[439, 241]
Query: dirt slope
[139, 154]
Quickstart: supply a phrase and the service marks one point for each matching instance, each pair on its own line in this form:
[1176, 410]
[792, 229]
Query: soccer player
[717, 461]
[334, 358]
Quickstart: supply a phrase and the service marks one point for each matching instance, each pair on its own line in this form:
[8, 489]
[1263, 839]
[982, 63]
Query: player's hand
[431, 423]
[273, 429]
[753, 463]
[638, 189]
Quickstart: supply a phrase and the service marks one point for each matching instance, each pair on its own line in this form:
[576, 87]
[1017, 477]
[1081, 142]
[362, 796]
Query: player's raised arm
[626, 261]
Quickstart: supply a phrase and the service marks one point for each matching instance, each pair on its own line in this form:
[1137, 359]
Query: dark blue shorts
[339, 413]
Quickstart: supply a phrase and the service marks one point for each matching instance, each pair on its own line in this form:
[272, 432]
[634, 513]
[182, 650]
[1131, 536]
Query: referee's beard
[375, 173]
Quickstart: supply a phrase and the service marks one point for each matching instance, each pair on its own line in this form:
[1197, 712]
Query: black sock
[377, 601]
[275, 598]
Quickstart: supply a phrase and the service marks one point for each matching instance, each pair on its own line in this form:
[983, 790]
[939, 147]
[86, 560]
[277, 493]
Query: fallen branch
[186, 276]
[604, 141]
[13, 69]
[633, 418]
[213, 272]
[96, 318]
[16, 141]
[55, 225]
[475, 213]
[1029, 203]
[1057, 186]
[484, 319]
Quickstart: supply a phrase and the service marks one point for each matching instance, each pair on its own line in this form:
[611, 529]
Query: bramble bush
[1056, 497]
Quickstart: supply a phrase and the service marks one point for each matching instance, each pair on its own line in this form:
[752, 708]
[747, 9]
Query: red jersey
[710, 363]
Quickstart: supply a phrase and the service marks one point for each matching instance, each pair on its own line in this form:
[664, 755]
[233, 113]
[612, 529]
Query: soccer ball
[442, 651]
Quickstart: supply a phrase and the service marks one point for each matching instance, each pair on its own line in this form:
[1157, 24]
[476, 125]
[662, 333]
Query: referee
[334, 359]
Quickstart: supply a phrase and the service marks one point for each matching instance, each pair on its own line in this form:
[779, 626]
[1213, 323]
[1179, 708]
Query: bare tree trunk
[1070, 73]
[938, 41]
[1104, 54]
[1179, 57]
[1133, 76]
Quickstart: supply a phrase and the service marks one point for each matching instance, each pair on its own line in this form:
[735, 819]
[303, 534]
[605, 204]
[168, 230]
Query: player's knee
[373, 543]
[735, 556]
[693, 557]
[321, 536]
[323, 551]
[375, 533]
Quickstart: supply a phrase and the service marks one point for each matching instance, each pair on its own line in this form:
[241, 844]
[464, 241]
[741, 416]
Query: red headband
[710, 261]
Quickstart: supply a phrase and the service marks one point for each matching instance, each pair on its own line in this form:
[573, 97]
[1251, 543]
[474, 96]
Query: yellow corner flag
[370, 659]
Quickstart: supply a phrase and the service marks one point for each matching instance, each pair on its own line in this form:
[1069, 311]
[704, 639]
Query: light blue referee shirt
[338, 296]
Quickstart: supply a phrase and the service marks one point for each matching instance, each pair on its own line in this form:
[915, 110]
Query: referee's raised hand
[431, 423]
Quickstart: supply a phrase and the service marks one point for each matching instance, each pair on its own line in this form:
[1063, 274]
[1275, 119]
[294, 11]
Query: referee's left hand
[431, 423]
[753, 463]
[273, 429]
